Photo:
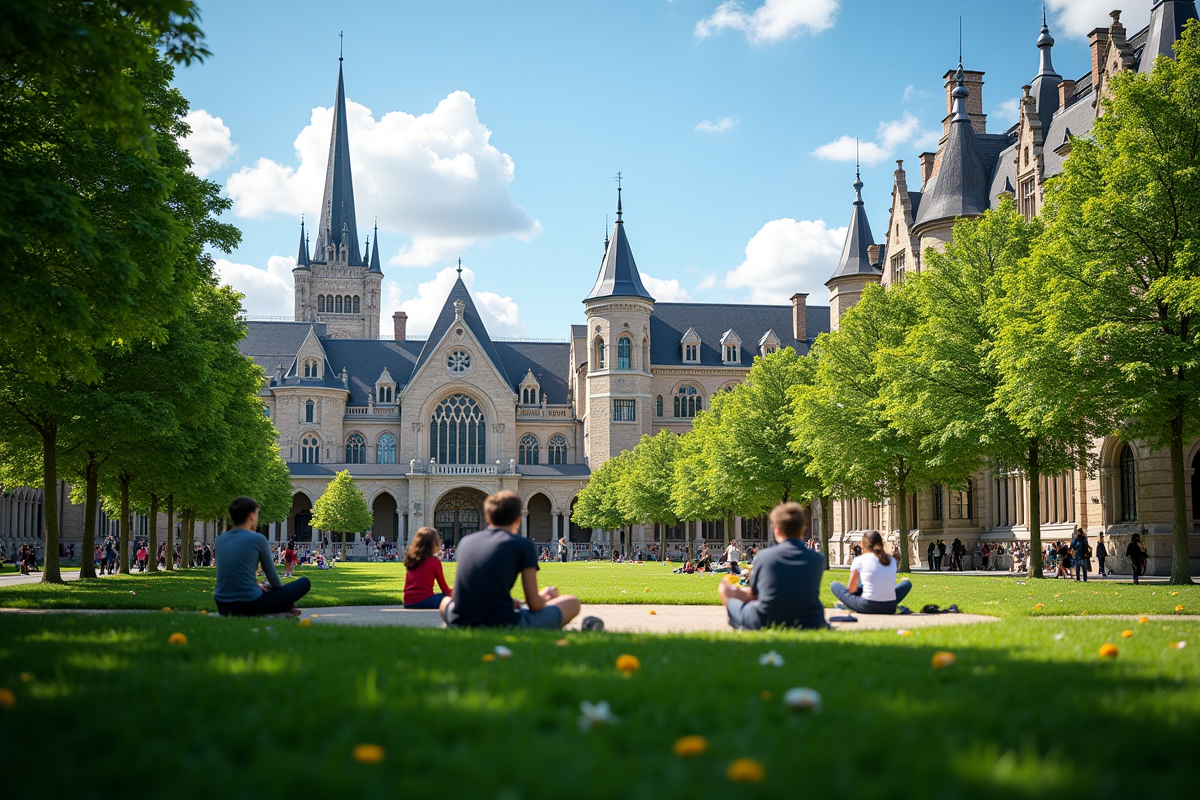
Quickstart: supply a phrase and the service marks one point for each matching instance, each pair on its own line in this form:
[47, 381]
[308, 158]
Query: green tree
[644, 491]
[341, 508]
[599, 503]
[946, 380]
[1118, 271]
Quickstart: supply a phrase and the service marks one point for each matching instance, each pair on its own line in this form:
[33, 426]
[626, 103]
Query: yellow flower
[1179, 607]
[1040, 605]
[1177, 645]
[745, 770]
[7, 699]
[562, 643]
[1174, 593]
[735, 580]
[489, 657]
[627, 663]
[904, 632]
[653, 612]
[688, 746]
[1108, 650]
[166, 608]
[177, 638]
[1143, 620]
[304, 623]
[1126, 634]
[204, 611]
[368, 753]
[647, 588]
[943, 659]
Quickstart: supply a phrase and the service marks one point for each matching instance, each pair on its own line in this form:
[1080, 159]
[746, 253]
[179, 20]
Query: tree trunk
[1180, 568]
[123, 481]
[152, 547]
[169, 550]
[50, 570]
[662, 541]
[902, 522]
[826, 521]
[1034, 475]
[191, 539]
[91, 480]
[183, 538]
[728, 526]
[343, 545]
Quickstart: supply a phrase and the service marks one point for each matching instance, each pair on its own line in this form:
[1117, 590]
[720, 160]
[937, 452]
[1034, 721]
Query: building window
[599, 354]
[962, 505]
[337, 304]
[385, 449]
[691, 352]
[624, 411]
[731, 354]
[687, 402]
[624, 352]
[1028, 198]
[356, 449]
[527, 451]
[356, 304]
[529, 396]
[310, 450]
[320, 304]
[267, 412]
[458, 362]
[1128, 485]
[938, 493]
[457, 432]
[658, 406]
[309, 408]
[898, 268]
[556, 449]
[385, 394]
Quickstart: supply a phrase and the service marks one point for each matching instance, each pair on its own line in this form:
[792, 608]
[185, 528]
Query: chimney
[973, 80]
[800, 317]
[873, 252]
[927, 160]
[1065, 90]
[399, 323]
[1098, 41]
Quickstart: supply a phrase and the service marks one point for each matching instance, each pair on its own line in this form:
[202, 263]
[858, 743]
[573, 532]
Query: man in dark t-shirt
[489, 562]
[785, 580]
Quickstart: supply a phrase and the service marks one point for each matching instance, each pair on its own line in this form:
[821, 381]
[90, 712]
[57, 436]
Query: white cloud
[786, 257]
[722, 124]
[665, 291]
[707, 282]
[1081, 17]
[209, 144]
[890, 136]
[773, 21]
[435, 178]
[500, 314]
[911, 92]
[269, 291]
[1008, 111]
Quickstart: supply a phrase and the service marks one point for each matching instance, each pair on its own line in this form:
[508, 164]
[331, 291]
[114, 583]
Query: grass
[265, 709]
[383, 584]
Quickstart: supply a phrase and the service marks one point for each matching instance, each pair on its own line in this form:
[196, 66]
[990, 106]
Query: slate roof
[273, 343]
[855, 259]
[619, 276]
[670, 321]
[555, 471]
[960, 187]
[365, 359]
[337, 204]
[1167, 19]
[549, 361]
[1044, 87]
[474, 322]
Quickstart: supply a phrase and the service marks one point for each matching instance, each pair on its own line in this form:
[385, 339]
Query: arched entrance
[300, 518]
[578, 534]
[539, 524]
[387, 524]
[458, 513]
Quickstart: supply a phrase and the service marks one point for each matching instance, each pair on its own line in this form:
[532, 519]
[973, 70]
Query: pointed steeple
[1045, 85]
[619, 275]
[855, 259]
[960, 187]
[375, 252]
[1167, 19]
[338, 226]
[302, 253]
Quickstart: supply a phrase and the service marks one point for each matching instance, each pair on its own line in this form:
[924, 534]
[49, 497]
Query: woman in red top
[422, 567]
[289, 559]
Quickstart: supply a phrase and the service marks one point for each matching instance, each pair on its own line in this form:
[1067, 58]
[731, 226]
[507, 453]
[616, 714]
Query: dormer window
[385, 388]
[731, 354]
[530, 389]
[529, 396]
[385, 394]
[312, 368]
[731, 348]
[768, 344]
[691, 346]
[691, 352]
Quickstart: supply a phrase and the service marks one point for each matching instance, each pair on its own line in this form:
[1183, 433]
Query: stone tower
[618, 311]
[334, 283]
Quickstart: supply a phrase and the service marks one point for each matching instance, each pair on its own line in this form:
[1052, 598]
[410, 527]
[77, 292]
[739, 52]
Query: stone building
[968, 174]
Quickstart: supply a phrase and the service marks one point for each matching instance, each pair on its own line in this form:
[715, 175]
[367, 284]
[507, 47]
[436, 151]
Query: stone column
[525, 523]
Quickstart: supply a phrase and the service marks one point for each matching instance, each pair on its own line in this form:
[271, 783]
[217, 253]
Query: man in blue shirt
[240, 551]
[488, 564]
[785, 580]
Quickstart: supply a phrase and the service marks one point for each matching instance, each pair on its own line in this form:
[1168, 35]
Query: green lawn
[265, 709]
[382, 584]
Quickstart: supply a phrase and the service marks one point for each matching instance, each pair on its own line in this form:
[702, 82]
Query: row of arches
[624, 353]
[529, 450]
[338, 304]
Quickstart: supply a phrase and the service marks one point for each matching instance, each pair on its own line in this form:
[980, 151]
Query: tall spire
[338, 225]
[855, 259]
[1044, 87]
[375, 267]
[1167, 18]
[302, 253]
[619, 276]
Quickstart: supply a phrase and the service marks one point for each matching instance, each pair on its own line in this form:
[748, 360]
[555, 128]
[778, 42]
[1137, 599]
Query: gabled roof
[960, 187]
[338, 224]
[855, 259]
[669, 321]
[619, 275]
[730, 337]
[690, 337]
[473, 321]
[270, 344]
[1167, 19]
[768, 336]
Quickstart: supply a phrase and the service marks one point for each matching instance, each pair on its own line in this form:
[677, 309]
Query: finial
[460, 266]
[856, 159]
[617, 178]
[960, 69]
[341, 42]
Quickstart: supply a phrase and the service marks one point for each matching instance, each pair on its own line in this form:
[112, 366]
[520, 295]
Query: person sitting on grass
[489, 562]
[785, 583]
[241, 551]
[873, 588]
[423, 567]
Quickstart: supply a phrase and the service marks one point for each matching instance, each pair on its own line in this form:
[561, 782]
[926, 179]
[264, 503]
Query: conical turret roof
[1167, 19]
[960, 187]
[855, 259]
[619, 275]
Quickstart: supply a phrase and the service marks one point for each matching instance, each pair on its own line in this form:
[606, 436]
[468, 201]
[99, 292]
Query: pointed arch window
[310, 449]
[309, 409]
[320, 304]
[688, 401]
[337, 304]
[356, 304]
[356, 449]
[458, 432]
[599, 353]
[1128, 471]
[311, 369]
[658, 406]
[556, 449]
[527, 452]
[624, 352]
[385, 449]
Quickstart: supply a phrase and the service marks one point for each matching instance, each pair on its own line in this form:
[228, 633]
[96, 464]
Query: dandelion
[1143, 620]
[647, 588]
[771, 659]
[745, 770]
[943, 659]
[1177, 645]
[653, 612]
[1040, 605]
[628, 664]
[304, 623]
[368, 753]
[177, 638]
[734, 579]
[802, 700]
[595, 715]
[1174, 593]
[489, 657]
[1108, 650]
[904, 632]
[562, 643]
[1179, 607]
[688, 746]
[503, 652]
[7, 698]
[167, 608]
[1126, 634]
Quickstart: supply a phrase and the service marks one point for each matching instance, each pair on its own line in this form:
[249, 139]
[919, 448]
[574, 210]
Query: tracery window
[385, 449]
[624, 352]
[310, 450]
[458, 432]
[556, 449]
[687, 402]
[356, 449]
[458, 362]
[527, 452]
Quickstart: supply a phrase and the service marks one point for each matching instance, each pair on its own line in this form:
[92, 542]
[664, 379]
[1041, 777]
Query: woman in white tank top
[873, 588]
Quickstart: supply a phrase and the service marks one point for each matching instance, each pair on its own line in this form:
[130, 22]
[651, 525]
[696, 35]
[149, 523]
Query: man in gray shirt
[240, 551]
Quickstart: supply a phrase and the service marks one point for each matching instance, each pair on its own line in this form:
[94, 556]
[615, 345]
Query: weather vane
[341, 41]
[460, 265]
[617, 178]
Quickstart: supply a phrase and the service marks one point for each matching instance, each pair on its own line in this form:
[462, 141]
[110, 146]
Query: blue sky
[493, 130]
